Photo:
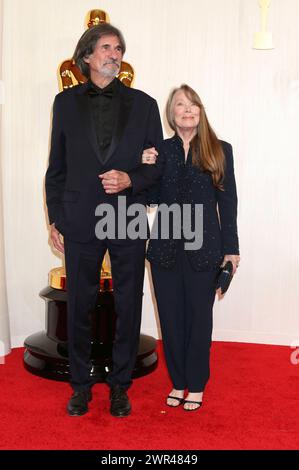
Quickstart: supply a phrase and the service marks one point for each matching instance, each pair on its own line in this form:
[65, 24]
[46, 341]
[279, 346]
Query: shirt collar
[93, 89]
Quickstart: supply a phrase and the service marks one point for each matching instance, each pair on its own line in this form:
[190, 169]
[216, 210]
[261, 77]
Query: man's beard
[110, 72]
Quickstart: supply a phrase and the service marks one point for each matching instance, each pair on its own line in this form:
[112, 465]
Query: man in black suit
[99, 131]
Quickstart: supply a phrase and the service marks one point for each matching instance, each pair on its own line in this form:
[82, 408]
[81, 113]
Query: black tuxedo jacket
[73, 189]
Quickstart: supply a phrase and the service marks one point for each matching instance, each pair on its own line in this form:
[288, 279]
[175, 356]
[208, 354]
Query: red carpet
[251, 402]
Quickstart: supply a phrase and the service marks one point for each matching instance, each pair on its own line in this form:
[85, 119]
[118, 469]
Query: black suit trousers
[185, 300]
[83, 263]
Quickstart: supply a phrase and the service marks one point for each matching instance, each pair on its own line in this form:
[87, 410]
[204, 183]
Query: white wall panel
[4, 317]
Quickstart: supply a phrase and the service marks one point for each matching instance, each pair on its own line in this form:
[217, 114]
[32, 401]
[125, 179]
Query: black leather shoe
[119, 402]
[78, 404]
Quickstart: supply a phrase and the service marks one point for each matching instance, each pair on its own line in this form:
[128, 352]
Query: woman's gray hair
[87, 43]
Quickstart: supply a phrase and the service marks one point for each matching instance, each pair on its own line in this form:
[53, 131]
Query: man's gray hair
[87, 43]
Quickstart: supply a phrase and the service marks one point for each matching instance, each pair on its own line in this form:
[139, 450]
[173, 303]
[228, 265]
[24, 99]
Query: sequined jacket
[182, 183]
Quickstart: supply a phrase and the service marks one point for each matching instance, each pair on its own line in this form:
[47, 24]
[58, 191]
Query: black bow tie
[93, 90]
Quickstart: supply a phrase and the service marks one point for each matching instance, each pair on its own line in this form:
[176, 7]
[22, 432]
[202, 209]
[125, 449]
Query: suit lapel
[123, 106]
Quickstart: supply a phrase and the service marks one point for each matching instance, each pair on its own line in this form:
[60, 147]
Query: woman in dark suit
[198, 170]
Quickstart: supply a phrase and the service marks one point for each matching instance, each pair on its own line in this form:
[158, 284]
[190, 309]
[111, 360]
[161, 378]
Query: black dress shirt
[103, 113]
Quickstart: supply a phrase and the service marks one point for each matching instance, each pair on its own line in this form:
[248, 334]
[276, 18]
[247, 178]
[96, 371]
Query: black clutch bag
[224, 277]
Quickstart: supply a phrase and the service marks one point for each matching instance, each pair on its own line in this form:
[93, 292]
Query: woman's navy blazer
[183, 183]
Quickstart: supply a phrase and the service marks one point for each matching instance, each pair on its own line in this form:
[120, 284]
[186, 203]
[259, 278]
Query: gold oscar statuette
[70, 76]
[263, 38]
[57, 277]
[69, 73]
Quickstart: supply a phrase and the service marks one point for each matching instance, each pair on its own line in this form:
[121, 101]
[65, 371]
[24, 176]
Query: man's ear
[86, 59]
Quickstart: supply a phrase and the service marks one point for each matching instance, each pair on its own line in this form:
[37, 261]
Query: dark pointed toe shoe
[119, 402]
[78, 404]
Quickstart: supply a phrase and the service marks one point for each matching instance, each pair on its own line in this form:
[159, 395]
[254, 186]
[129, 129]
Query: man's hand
[114, 181]
[56, 239]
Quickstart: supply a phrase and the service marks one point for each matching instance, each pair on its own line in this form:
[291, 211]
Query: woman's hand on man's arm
[149, 156]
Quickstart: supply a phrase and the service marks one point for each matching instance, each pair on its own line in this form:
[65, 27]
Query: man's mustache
[114, 62]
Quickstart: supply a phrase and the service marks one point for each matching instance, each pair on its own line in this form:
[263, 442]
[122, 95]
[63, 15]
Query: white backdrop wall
[4, 317]
[251, 98]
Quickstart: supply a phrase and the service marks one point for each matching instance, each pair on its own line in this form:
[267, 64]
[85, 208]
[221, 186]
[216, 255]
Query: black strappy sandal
[180, 401]
[195, 402]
